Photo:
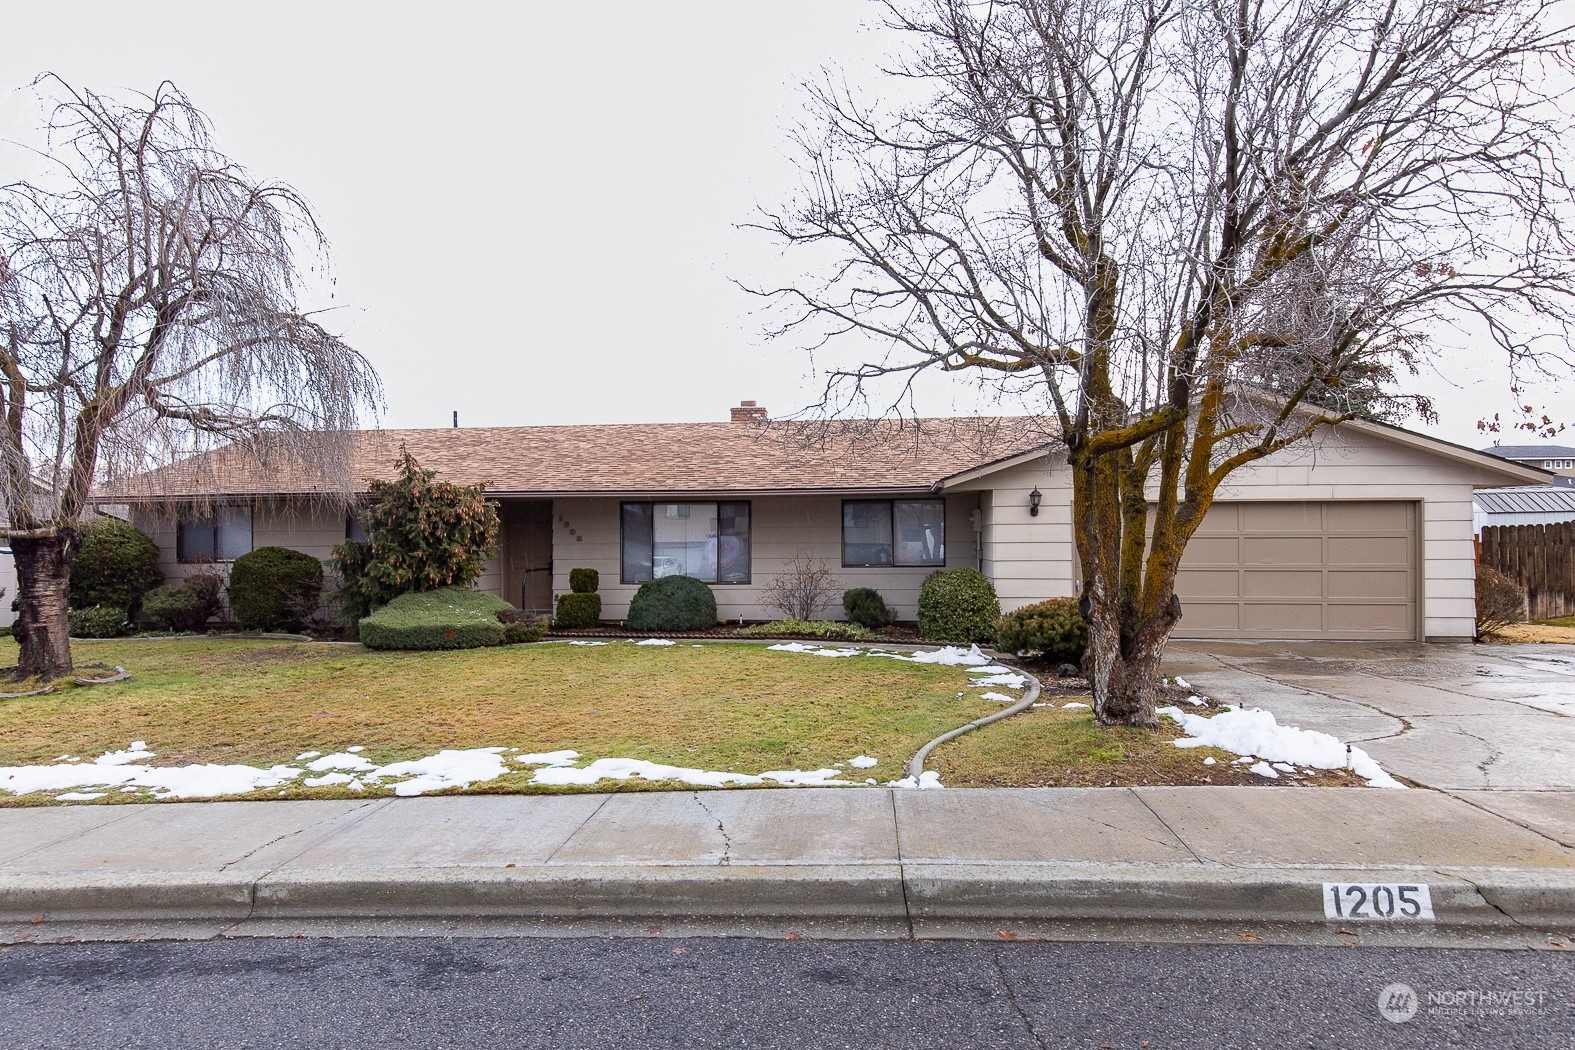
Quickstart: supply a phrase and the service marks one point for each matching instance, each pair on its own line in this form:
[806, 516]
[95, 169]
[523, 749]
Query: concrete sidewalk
[1168, 863]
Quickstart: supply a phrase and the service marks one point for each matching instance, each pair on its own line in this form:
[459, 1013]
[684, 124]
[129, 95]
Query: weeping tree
[1198, 231]
[149, 312]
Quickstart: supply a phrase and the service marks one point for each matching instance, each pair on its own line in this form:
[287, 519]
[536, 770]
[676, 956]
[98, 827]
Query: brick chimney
[748, 412]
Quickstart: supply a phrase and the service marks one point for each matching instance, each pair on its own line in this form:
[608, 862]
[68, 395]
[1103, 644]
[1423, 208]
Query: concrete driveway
[1493, 725]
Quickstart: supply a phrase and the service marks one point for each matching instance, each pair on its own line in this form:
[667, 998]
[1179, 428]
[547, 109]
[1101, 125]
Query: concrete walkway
[1168, 863]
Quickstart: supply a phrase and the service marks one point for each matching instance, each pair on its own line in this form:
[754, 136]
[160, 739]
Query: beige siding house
[1365, 534]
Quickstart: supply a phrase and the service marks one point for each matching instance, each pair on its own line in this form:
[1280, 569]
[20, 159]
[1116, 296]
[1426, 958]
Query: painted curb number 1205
[1377, 900]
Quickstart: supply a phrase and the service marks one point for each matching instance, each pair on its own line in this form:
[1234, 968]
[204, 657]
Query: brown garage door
[1339, 570]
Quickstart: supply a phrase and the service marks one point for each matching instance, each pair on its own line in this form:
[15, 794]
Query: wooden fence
[1542, 557]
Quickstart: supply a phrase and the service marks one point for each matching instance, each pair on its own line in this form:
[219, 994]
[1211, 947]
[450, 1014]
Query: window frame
[891, 517]
[212, 521]
[651, 505]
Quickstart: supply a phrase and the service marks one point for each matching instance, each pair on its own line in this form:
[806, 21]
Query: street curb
[884, 899]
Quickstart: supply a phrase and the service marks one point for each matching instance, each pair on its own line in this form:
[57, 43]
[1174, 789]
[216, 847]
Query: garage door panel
[1283, 583]
[1385, 551]
[1209, 583]
[1282, 550]
[1337, 570]
[1370, 583]
[1280, 517]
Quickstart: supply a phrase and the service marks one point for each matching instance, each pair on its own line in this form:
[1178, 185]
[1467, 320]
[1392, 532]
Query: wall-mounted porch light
[1033, 502]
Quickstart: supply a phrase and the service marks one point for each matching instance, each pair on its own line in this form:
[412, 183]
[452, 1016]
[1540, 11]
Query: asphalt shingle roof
[629, 458]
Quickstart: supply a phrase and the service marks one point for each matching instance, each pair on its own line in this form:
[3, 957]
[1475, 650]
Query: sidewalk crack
[1011, 997]
[727, 842]
[902, 869]
[560, 847]
[1485, 898]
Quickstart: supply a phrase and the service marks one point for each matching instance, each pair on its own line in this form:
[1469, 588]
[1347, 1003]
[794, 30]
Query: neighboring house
[1363, 534]
[1522, 505]
[1560, 459]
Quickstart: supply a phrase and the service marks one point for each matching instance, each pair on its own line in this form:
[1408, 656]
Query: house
[1522, 505]
[1560, 459]
[1363, 534]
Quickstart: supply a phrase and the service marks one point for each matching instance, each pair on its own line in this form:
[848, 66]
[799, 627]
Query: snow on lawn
[1255, 734]
[624, 768]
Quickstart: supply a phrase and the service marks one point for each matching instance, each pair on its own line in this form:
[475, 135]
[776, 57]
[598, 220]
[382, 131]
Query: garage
[1334, 570]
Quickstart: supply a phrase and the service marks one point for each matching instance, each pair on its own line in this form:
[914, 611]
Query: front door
[527, 543]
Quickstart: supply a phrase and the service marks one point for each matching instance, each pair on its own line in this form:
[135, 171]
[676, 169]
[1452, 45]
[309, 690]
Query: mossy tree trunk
[43, 570]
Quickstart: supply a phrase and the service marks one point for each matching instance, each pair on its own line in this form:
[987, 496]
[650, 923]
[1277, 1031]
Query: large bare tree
[1200, 229]
[148, 312]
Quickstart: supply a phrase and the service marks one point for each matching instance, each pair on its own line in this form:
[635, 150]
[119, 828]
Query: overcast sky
[533, 211]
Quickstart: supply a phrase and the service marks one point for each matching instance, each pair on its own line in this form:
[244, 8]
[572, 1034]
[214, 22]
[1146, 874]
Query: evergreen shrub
[672, 603]
[866, 607]
[578, 610]
[1052, 630]
[274, 588]
[446, 618]
[584, 581]
[958, 606]
[116, 564]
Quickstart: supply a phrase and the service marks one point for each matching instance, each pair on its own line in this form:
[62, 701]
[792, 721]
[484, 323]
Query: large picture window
[893, 532]
[223, 535]
[709, 541]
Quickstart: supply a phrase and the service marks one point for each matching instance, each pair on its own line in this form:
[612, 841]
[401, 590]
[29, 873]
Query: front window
[709, 541]
[223, 535]
[903, 532]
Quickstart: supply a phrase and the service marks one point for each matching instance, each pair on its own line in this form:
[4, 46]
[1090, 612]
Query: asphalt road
[628, 994]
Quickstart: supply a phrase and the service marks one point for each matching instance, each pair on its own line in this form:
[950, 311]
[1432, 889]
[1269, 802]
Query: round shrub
[579, 610]
[97, 621]
[175, 607]
[520, 626]
[446, 618]
[866, 607]
[958, 606]
[116, 564]
[672, 603]
[584, 581]
[274, 588]
[1051, 630]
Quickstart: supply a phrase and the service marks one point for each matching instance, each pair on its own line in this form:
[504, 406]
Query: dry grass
[1558, 632]
[721, 706]
[1060, 747]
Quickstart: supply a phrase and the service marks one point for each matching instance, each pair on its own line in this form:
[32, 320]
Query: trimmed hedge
[958, 606]
[274, 588]
[116, 564]
[447, 618]
[579, 609]
[672, 603]
[866, 607]
[97, 621]
[1052, 630]
[584, 581]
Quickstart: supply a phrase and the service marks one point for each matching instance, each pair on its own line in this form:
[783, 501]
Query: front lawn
[717, 706]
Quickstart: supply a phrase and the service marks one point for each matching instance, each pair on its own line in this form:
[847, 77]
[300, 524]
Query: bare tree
[801, 589]
[1200, 230]
[148, 312]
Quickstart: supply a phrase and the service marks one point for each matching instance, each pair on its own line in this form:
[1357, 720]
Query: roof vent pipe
[456, 419]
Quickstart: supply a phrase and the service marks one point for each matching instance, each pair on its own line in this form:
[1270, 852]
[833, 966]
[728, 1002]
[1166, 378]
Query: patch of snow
[624, 768]
[654, 641]
[1182, 682]
[135, 753]
[1285, 767]
[581, 641]
[342, 760]
[1263, 769]
[928, 780]
[80, 796]
[807, 778]
[549, 758]
[446, 769]
[304, 755]
[862, 762]
[1209, 761]
[814, 650]
[1195, 700]
[356, 750]
[1000, 698]
[1075, 703]
[1011, 681]
[990, 669]
[1255, 733]
[328, 780]
[950, 656]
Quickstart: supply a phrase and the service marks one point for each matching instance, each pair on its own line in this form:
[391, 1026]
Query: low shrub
[866, 607]
[672, 603]
[584, 581]
[850, 632]
[958, 606]
[116, 564]
[97, 621]
[578, 610]
[184, 606]
[1051, 630]
[274, 588]
[520, 626]
[1500, 601]
[447, 618]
